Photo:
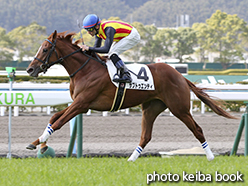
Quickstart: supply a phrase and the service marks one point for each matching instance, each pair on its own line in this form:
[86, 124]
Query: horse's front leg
[41, 140]
[49, 130]
[33, 145]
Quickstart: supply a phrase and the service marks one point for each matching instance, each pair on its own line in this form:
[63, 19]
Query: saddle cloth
[140, 73]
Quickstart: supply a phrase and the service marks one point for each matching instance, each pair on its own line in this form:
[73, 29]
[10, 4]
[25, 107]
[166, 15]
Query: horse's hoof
[44, 149]
[31, 147]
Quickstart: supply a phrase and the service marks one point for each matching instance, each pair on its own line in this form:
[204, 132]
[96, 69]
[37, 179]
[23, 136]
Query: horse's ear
[54, 35]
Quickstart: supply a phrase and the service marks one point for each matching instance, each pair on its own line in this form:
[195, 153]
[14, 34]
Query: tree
[5, 46]
[27, 39]
[166, 37]
[201, 30]
[244, 39]
[151, 47]
[226, 37]
[185, 41]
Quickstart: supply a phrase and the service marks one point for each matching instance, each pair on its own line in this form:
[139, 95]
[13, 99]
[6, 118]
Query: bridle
[45, 64]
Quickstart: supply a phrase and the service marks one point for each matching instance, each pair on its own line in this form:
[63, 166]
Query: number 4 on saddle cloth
[141, 80]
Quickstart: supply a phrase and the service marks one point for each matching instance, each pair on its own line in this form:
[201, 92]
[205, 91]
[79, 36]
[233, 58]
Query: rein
[45, 64]
[89, 57]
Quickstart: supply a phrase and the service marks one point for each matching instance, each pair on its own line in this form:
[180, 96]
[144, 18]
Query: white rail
[33, 95]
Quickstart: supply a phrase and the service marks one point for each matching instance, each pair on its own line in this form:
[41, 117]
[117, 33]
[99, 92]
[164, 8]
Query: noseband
[45, 64]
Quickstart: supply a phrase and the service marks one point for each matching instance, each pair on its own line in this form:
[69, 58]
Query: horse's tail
[205, 98]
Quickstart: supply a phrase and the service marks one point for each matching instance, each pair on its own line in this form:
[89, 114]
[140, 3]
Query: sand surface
[119, 133]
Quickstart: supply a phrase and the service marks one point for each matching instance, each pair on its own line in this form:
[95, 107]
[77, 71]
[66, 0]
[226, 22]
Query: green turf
[116, 171]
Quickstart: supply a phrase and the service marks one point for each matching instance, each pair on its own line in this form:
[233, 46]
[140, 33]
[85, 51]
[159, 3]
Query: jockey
[119, 37]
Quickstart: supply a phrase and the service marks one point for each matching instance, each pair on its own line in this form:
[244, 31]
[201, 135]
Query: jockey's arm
[98, 42]
[110, 32]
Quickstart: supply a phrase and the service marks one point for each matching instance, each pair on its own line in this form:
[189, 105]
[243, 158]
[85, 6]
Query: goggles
[90, 29]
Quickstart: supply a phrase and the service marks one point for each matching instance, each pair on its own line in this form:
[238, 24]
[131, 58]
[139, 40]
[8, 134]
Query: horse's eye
[45, 50]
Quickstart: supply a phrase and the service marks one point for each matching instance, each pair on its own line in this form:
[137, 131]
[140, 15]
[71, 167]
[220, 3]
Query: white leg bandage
[208, 151]
[47, 132]
[135, 154]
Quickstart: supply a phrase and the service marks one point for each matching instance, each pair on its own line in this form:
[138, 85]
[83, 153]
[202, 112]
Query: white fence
[234, 92]
[33, 95]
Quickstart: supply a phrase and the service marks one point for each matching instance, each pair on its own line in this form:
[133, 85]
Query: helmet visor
[90, 29]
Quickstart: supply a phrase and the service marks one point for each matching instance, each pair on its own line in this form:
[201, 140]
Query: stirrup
[124, 79]
[116, 78]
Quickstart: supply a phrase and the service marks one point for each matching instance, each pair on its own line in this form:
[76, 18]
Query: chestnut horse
[91, 88]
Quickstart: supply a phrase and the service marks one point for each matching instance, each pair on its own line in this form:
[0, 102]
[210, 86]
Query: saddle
[141, 76]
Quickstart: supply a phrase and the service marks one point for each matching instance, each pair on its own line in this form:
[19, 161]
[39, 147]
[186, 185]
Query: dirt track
[120, 134]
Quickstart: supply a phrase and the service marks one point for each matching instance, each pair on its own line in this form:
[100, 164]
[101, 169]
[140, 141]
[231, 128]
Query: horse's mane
[68, 37]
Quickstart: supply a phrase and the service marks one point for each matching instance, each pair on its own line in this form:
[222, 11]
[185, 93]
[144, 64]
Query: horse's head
[44, 56]
[47, 54]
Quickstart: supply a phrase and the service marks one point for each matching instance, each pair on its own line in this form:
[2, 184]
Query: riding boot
[122, 74]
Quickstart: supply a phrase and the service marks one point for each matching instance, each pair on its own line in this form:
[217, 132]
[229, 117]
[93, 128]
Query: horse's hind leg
[150, 110]
[196, 130]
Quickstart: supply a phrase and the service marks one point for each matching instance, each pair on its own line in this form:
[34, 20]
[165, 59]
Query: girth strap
[119, 97]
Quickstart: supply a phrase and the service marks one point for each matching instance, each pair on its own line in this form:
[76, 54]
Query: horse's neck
[73, 62]
[81, 65]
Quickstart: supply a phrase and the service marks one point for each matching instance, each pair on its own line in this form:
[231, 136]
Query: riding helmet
[90, 21]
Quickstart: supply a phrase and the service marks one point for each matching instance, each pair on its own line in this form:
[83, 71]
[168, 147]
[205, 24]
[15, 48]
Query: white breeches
[125, 44]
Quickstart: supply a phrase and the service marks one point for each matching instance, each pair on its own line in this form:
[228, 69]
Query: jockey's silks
[122, 29]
